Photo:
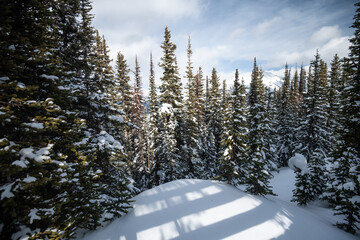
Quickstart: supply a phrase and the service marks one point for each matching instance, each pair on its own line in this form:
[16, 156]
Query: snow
[205, 209]
[166, 108]
[105, 140]
[39, 155]
[51, 77]
[298, 161]
[348, 186]
[33, 215]
[21, 85]
[4, 78]
[29, 179]
[35, 125]
[22, 164]
[6, 191]
[116, 118]
[283, 184]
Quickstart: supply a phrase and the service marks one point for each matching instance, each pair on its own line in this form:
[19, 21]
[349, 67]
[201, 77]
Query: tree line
[78, 141]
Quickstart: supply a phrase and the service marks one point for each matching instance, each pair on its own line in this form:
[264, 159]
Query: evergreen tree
[302, 194]
[215, 112]
[314, 142]
[137, 134]
[346, 156]
[258, 179]
[106, 137]
[152, 130]
[191, 133]
[285, 130]
[302, 92]
[336, 87]
[123, 91]
[208, 152]
[170, 123]
[234, 165]
[271, 132]
[214, 124]
[40, 160]
[200, 98]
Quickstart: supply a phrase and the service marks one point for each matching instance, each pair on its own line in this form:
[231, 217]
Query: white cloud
[327, 51]
[237, 32]
[336, 45]
[326, 33]
[140, 10]
[266, 25]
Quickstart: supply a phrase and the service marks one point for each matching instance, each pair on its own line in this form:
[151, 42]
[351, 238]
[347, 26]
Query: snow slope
[204, 209]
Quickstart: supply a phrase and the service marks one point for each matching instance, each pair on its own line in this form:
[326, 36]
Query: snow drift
[204, 209]
[298, 161]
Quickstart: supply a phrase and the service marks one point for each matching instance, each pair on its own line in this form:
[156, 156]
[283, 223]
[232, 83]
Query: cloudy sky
[226, 34]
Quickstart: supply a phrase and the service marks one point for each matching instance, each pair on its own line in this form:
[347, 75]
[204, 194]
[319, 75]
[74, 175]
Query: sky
[226, 34]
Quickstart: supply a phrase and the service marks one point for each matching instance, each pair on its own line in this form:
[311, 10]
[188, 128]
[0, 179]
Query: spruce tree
[170, 124]
[215, 112]
[346, 155]
[151, 128]
[314, 141]
[234, 165]
[199, 96]
[191, 131]
[214, 124]
[336, 87]
[258, 179]
[208, 153]
[286, 118]
[123, 88]
[40, 160]
[137, 133]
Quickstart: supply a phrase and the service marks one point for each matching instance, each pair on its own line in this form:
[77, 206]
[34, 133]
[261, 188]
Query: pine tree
[137, 134]
[170, 123]
[302, 194]
[215, 112]
[315, 139]
[302, 92]
[208, 153]
[346, 155]
[336, 87]
[191, 133]
[200, 98]
[258, 179]
[123, 88]
[234, 165]
[271, 134]
[106, 138]
[40, 160]
[285, 130]
[214, 124]
[152, 130]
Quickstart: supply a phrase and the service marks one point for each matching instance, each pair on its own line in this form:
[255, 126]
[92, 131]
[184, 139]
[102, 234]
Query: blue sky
[227, 34]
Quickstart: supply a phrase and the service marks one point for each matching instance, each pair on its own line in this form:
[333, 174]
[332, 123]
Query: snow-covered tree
[286, 121]
[171, 124]
[345, 185]
[258, 179]
[234, 166]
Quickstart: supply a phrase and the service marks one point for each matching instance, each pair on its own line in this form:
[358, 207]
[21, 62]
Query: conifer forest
[79, 138]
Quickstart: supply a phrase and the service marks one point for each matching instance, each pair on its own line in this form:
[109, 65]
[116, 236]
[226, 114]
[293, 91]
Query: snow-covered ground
[204, 209]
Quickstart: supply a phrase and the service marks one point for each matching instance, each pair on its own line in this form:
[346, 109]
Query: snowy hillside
[204, 209]
[272, 79]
